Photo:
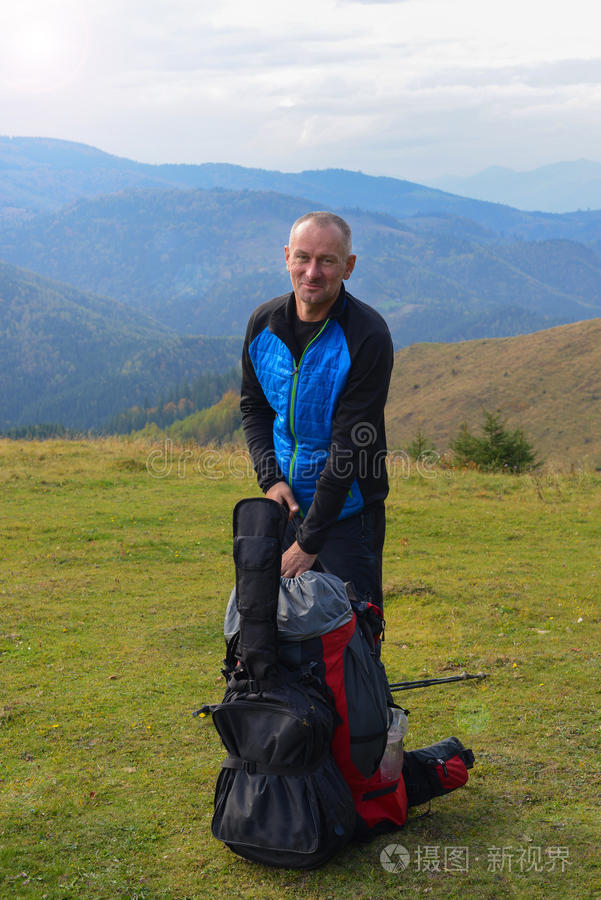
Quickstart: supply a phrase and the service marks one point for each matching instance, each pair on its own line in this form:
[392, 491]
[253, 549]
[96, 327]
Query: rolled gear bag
[280, 798]
[436, 770]
[259, 527]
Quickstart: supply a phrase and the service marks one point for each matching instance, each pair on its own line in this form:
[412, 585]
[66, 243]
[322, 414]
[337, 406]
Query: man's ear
[350, 265]
[287, 255]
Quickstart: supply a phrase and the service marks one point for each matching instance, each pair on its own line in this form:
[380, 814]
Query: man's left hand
[295, 561]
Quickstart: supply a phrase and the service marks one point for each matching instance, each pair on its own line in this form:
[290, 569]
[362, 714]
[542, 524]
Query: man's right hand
[281, 492]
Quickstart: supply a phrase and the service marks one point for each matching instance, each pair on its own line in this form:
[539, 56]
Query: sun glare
[42, 56]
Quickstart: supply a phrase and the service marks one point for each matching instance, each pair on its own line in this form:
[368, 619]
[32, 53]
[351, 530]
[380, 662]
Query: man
[316, 368]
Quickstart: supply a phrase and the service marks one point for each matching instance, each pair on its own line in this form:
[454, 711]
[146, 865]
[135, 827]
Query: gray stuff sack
[311, 605]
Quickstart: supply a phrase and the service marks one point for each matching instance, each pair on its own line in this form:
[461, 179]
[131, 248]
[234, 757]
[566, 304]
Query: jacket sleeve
[257, 422]
[357, 437]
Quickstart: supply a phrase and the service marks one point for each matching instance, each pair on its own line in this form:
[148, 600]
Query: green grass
[113, 586]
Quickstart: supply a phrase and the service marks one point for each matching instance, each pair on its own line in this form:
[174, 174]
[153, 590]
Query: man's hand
[295, 561]
[282, 493]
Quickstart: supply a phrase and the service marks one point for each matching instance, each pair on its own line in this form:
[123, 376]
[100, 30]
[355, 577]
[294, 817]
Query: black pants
[353, 551]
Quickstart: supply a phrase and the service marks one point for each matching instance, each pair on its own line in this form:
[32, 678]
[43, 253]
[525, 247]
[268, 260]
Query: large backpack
[305, 713]
[280, 799]
[322, 624]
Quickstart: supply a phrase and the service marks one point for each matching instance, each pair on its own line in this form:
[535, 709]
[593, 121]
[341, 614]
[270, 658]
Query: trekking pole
[427, 682]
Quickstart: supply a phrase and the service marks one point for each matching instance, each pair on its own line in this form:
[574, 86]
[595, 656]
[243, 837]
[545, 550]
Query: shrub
[496, 449]
[419, 445]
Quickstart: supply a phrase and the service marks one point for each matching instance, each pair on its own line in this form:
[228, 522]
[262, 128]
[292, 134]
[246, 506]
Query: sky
[414, 89]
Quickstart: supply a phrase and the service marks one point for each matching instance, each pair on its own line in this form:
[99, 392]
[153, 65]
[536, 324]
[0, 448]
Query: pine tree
[419, 445]
[496, 449]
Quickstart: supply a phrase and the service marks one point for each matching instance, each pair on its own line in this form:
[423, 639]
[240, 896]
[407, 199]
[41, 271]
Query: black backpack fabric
[280, 799]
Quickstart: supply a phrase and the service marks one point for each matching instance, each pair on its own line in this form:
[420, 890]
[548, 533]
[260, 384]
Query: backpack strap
[253, 768]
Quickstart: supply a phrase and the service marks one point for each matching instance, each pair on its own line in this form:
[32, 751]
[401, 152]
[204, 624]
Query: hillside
[200, 261]
[548, 383]
[184, 257]
[71, 357]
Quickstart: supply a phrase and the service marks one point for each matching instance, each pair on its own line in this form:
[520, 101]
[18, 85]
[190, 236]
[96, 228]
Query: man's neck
[309, 312]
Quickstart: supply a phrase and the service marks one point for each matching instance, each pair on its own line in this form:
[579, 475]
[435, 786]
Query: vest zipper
[293, 399]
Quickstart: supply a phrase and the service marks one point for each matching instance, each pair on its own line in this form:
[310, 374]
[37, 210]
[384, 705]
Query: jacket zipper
[293, 399]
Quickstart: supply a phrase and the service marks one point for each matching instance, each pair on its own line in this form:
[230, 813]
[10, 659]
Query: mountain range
[183, 250]
[201, 260]
[46, 174]
[559, 187]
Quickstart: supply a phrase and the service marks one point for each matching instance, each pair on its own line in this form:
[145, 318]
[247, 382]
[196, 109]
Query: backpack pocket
[295, 821]
[366, 707]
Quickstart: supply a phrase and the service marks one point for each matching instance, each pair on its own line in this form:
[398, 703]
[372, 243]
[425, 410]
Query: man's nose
[313, 269]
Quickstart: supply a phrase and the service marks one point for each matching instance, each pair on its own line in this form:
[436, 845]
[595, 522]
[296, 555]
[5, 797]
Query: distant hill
[200, 261]
[45, 174]
[71, 357]
[197, 261]
[547, 383]
[559, 187]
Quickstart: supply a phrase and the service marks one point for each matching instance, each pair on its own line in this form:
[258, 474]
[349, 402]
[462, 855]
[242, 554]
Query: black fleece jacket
[357, 443]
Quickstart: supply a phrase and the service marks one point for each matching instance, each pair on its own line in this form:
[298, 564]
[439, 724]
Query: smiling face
[318, 263]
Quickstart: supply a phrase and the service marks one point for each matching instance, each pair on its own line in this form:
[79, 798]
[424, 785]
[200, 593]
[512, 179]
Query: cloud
[372, 2]
[386, 86]
[548, 74]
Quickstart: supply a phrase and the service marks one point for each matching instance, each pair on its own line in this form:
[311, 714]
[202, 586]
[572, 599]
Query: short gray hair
[323, 217]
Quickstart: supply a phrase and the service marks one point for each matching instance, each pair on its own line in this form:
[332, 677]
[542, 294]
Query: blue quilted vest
[304, 398]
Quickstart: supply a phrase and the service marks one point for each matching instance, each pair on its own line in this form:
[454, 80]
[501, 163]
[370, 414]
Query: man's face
[317, 263]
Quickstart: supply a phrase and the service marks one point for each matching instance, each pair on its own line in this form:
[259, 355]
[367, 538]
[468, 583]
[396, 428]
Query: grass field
[113, 585]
